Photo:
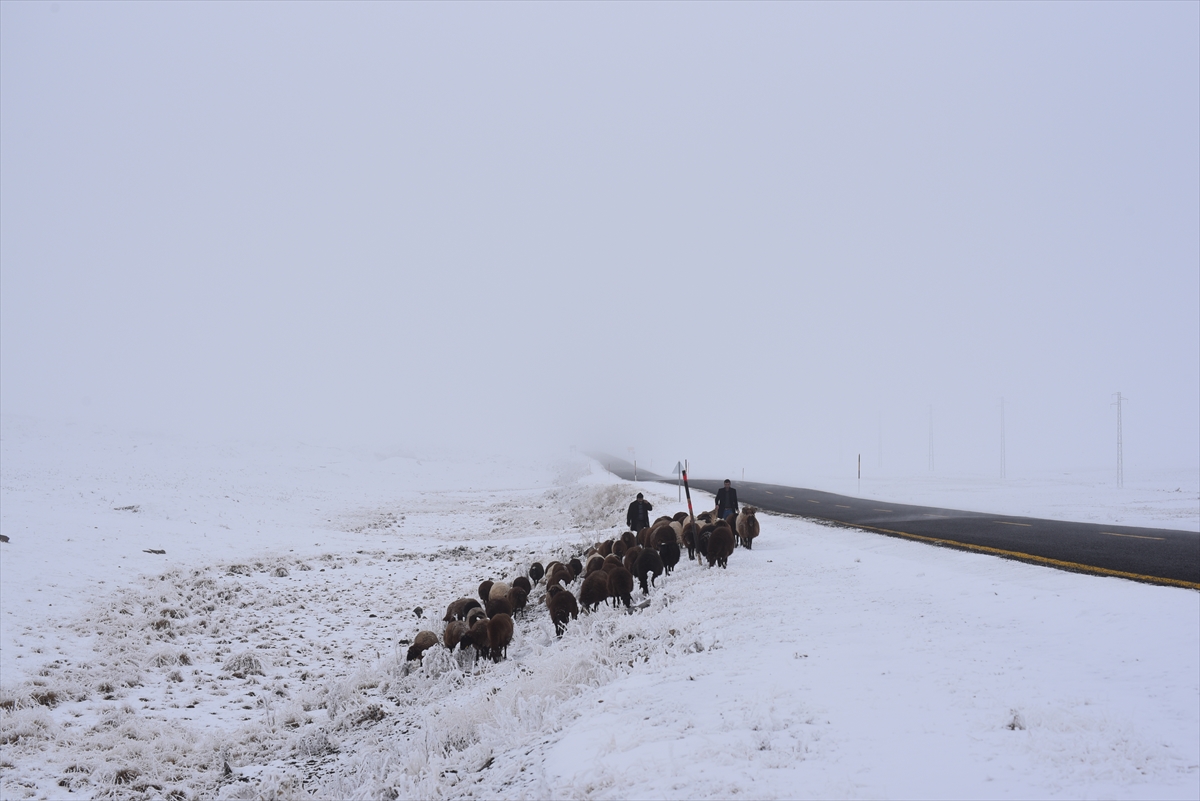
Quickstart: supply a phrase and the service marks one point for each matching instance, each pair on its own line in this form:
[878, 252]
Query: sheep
[474, 615]
[421, 643]
[593, 591]
[500, 633]
[631, 557]
[484, 589]
[454, 632]
[720, 546]
[523, 583]
[536, 571]
[619, 548]
[496, 606]
[498, 589]
[517, 599]
[576, 567]
[670, 556]
[629, 538]
[668, 533]
[612, 561]
[680, 517]
[747, 526]
[650, 564]
[560, 574]
[562, 606]
[690, 530]
[594, 563]
[477, 636]
[458, 609]
[620, 586]
[605, 548]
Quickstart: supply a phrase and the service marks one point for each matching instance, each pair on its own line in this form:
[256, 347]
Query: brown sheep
[720, 545]
[500, 633]
[523, 583]
[496, 606]
[477, 636]
[629, 538]
[594, 563]
[560, 574]
[747, 526]
[594, 591]
[484, 589]
[517, 599]
[605, 548]
[649, 564]
[576, 567]
[458, 609]
[690, 530]
[562, 607]
[620, 586]
[421, 643]
[680, 517]
[619, 548]
[611, 561]
[631, 557]
[536, 571]
[475, 615]
[454, 632]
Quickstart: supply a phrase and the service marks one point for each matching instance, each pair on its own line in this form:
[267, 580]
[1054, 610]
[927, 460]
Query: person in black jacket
[638, 516]
[727, 504]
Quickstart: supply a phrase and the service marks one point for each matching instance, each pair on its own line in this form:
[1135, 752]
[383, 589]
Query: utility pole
[860, 474]
[1003, 458]
[1120, 443]
[931, 438]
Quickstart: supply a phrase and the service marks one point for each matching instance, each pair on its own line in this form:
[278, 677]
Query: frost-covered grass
[263, 655]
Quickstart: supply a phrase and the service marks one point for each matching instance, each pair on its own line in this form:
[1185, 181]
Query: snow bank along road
[1155, 555]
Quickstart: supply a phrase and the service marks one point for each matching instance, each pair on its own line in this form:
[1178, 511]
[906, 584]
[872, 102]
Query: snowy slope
[270, 637]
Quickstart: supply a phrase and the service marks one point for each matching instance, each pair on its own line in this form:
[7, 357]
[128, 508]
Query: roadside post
[691, 516]
[679, 480]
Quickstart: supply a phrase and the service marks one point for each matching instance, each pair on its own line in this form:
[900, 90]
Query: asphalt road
[1155, 555]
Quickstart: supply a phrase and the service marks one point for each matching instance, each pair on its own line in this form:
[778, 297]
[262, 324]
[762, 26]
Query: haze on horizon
[770, 236]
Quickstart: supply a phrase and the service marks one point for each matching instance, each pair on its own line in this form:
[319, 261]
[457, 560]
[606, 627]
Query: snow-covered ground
[270, 637]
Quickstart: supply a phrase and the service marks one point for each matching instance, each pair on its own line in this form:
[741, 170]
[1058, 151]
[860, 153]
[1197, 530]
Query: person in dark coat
[727, 504]
[638, 516]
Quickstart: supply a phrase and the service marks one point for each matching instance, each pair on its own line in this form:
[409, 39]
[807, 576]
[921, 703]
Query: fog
[768, 237]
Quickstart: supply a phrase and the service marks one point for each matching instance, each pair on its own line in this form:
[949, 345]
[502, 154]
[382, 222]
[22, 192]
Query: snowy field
[262, 655]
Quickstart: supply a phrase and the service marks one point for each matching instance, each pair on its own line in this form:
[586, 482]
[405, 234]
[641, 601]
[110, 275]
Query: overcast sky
[765, 236]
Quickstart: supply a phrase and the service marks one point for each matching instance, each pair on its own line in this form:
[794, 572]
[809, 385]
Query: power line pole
[1120, 443]
[1003, 456]
[931, 438]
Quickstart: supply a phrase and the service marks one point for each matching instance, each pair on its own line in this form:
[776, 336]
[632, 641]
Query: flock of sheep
[608, 569]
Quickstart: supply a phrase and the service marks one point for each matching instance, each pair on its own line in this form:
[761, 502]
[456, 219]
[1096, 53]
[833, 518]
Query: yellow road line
[1006, 523]
[1043, 560]
[1134, 536]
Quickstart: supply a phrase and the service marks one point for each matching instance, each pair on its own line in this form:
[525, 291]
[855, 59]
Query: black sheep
[523, 583]
[536, 571]
[649, 564]
[484, 589]
[669, 551]
[562, 608]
